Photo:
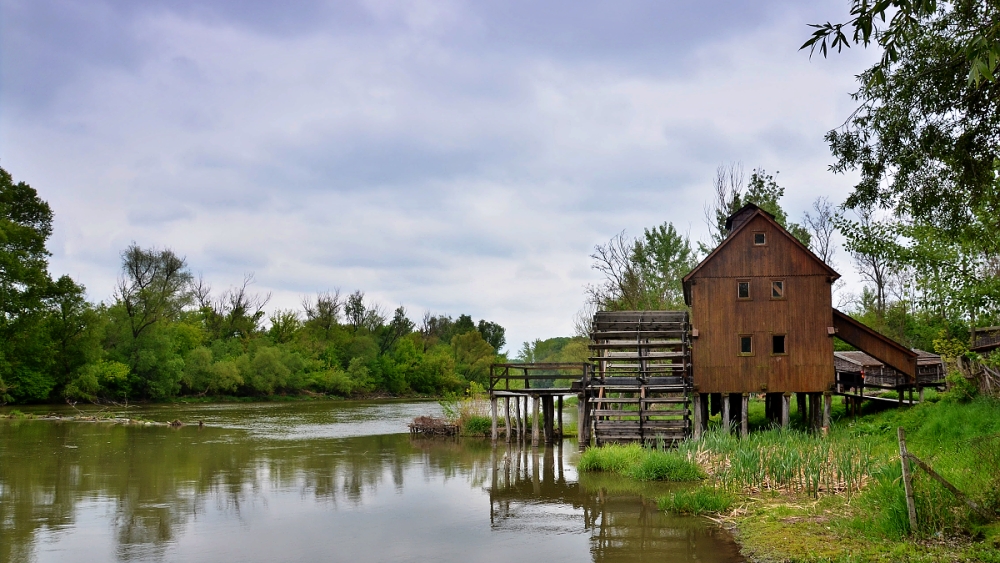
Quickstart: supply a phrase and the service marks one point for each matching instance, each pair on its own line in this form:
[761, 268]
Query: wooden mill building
[762, 321]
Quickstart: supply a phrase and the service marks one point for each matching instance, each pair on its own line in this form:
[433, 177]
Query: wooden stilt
[744, 418]
[560, 419]
[535, 430]
[786, 405]
[697, 416]
[800, 402]
[493, 416]
[920, 394]
[506, 410]
[726, 421]
[827, 405]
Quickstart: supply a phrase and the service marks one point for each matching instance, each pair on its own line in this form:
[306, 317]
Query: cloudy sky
[449, 156]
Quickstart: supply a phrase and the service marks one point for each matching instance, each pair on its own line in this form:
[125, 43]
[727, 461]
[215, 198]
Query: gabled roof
[738, 221]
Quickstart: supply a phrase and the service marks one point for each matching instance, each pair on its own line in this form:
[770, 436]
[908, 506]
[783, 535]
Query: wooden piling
[493, 417]
[697, 416]
[786, 406]
[535, 406]
[506, 427]
[827, 406]
[560, 399]
[744, 418]
[726, 424]
[800, 402]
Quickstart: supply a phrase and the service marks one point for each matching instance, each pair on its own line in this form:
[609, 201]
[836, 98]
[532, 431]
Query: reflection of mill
[529, 493]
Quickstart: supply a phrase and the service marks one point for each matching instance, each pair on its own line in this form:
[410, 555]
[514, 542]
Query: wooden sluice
[640, 390]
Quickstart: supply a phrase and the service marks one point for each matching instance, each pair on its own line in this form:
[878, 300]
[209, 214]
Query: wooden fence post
[911, 509]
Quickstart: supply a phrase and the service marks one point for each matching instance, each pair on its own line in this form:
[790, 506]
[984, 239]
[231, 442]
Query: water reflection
[91, 492]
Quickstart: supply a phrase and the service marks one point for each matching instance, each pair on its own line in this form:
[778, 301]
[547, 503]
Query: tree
[154, 286]
[237, 313]
[978, 36]
[642, 274]
[324, 312]
[25, 225]
[925, 139]
[874, 246]
[399, 327]
[821, 225]
[762, 190]
[360, 315]
[494, 334]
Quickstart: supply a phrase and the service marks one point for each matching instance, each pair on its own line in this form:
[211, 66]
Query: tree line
[167, 334]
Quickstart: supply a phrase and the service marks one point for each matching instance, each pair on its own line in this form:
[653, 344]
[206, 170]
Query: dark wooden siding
[803, 316]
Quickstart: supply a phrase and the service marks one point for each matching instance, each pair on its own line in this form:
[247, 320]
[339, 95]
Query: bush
[477, 425]
[960, 389]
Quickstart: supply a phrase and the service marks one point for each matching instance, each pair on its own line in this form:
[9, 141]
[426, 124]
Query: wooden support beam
[726, 424]
[560, 419]
[827, 405]
[800, 402]
[493, 417]
[697, 416]
[534, 422]
[786, 405]
[506, 426]
[744, 418]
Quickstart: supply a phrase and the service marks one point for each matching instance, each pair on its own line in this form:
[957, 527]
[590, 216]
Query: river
[317, 481]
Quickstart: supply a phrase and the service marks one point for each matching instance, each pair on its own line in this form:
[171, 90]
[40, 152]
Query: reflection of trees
[529, 492]
[159, 479]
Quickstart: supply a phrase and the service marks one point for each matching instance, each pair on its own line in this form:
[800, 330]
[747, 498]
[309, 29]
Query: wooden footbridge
[636, 385]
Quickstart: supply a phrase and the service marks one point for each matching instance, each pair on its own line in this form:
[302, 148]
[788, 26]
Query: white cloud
[417, 157]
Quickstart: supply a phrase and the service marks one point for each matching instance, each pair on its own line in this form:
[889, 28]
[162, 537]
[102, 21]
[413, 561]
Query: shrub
[477, 425]
[641, 464]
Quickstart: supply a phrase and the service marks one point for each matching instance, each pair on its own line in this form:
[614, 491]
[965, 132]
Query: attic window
[759, 239]
[746, 345]
[777, 289]
[743, 290]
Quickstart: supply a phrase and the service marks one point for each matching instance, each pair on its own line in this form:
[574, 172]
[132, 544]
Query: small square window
[746, 345]
[777, 289]
[778, 344]
[743, 290]
[759, 239]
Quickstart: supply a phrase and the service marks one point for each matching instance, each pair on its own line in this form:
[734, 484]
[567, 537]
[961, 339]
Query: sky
[447, 156]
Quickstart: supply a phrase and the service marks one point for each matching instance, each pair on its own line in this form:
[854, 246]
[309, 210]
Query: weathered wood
[535, 429]
[786, 405]
[911, 508]
[827, 405]
[802, 314]
[958, 494]
[744, 418]
[506, 427]
[493, 418]
[560, 399]
[697, 416]
[876, 345]
[727, 423]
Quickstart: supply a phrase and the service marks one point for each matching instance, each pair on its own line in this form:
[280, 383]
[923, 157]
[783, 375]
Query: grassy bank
[793, 496]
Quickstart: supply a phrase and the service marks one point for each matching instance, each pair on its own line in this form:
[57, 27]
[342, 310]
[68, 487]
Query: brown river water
[317, 481]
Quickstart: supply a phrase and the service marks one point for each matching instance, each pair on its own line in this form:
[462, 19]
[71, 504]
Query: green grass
[475, 425]
[642, 464]
[699, 500]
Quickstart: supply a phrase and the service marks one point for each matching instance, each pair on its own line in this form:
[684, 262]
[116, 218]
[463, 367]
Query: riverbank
[791, 496]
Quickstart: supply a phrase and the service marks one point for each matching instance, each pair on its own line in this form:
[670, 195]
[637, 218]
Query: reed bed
[786, 460]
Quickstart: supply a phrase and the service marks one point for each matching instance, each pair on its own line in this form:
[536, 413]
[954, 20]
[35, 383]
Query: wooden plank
[876, 345]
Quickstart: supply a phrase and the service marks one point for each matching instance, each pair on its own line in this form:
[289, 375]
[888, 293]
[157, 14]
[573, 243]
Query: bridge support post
[786, 407]
[534, 422]
[493, 417]
[506, 427]
[744, 420]
[827, 406]
[697, 416]
[560, 409]
[726, 421]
